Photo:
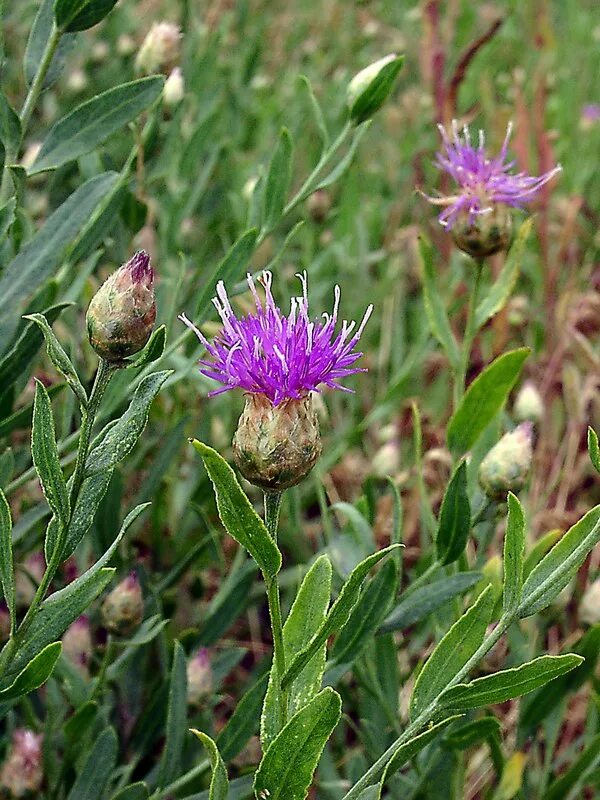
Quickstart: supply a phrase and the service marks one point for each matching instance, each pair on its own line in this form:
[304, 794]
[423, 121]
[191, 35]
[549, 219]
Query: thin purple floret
[483, 182]
[281, 357]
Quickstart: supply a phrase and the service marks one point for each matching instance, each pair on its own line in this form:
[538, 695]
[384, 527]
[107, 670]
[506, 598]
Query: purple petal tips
[483, 182]
[280, 357]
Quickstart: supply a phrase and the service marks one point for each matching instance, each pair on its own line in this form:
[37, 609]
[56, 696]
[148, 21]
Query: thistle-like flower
[279, 361]
[478, 214]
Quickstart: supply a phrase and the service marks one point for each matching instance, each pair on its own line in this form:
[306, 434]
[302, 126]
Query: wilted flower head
[283, 358]
[121, 315]
[160, 47]
[21, 775]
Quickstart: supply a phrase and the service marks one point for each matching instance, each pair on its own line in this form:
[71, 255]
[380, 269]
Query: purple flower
[591, 112]
[483, 182]
[280, 357]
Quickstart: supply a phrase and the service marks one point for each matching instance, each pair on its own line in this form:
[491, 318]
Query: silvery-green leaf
[219, 782]
[44, 451]
[514, 548]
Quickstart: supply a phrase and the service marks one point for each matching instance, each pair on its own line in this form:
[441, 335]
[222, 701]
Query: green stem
[40, 76]
[272, 508]
[106, 660]
[470, 332]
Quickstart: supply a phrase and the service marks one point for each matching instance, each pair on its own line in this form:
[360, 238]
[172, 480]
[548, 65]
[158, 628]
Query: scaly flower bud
[174, 88]
[483, 235]
[589, 608]
[122, 313]
[160, 48]
[199, 678]
[528, 406]
[77, 645]
[275, 447]
[369, 89]
[506, 467]
[22, 775]
[123, 609]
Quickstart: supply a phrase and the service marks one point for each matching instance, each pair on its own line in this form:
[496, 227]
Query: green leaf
[304, 620]
[594, 448]
[45, 456]
[40, 257]
[36, 45]
[514, 549]
[7, 217]
[135, 791]
[367, 615]
[22, 416]
[81, 720]
[97, 768]
[153, 350]
[502, 289]
[219, 782]
[79, 15]
[452, 653]
[10, 126]
[423, 601]
[278, 181]
[243, 723]
[539, 550]
[509, 683]
[170, 765]
[577, 775]
[338, 614]
[119, 438]
[286, 770]
[237, 515]
[59, 358]
[474, 732]
[63, 607]
[483, 400]
[410, 749]
[434, 306]
[7, 573]
[557, 568]
[455, 518]
[317, 111]
[35, 674]
[94, 121]
[229, 269]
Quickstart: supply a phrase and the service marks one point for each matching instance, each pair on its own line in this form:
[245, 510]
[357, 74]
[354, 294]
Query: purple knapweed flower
[282, 358]
[483, 182]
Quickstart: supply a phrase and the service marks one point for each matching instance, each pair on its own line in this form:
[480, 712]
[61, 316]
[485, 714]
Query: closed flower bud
[122, 313]
[483, 234]
[276, 446]
[174, 88]
[506, 467]
[199, 678]
[319, 205]
[77, 645]
[22, 775]
[123, 609]
[369, 89]
[529, 406]
[589, 608]
[160, 48]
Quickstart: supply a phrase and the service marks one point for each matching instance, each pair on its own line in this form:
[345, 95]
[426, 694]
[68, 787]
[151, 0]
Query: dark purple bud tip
[140, 268]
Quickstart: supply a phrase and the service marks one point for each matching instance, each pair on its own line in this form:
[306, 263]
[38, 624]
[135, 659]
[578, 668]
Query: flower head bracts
[482, 181]
[281, 357]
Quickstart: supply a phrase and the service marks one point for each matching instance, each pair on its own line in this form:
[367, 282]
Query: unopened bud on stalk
[369, 89]
[174, 88]
[506, 467]
[22, 774]
[484, 234]
[122, 313]
[160, 48]
[276, 446]
[123, 609]
[589, 608]
[529, 406]
[199, 678]
[77, 644]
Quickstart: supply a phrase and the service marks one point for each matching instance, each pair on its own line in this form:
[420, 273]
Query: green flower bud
[199, 678]
[369, 89]
[123, 609]
[528, 406]
[275, 447]
[484, 234]
[122, 313]
[506, 467]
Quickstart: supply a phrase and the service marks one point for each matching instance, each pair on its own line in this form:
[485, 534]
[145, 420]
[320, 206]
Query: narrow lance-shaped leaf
[35, 674]
[514, 548]
[45, 456]
[79, 15]
[483, 400]
[570, 784]
[410, 749]
[176, 719]
[434, 307]
[338, 613]
[237, 515]
[153, 350]
[219, 782]
[97, 768]
[455, 518]
[509, 683]
[243, 723]
[594, 448]
[452, 653]
[39, 35]
[278, 180]
[7, 574]
[286, 770]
